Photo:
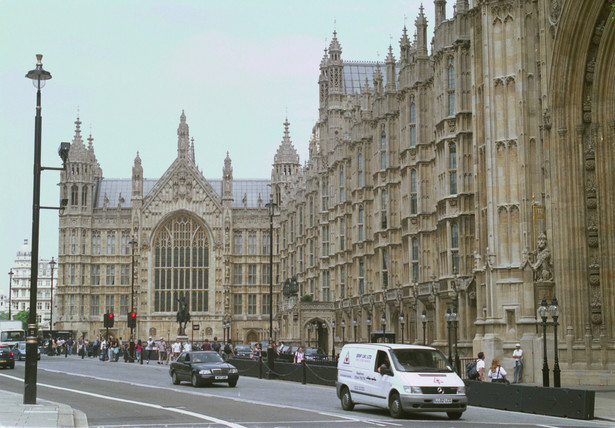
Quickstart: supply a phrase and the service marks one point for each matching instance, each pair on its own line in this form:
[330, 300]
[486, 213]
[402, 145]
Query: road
[123, 394]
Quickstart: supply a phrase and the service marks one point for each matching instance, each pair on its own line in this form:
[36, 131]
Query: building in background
[472, 174]
[20, 287]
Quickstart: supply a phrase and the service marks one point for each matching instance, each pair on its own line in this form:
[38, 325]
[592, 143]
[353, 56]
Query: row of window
[250, 302]
[75, 242]
[75, 274]
[252, 243]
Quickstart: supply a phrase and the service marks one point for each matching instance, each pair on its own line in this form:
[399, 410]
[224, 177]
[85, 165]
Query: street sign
[196, 327]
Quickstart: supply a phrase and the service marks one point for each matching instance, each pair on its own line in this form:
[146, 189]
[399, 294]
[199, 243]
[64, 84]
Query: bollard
[260, 368]
[304, 380]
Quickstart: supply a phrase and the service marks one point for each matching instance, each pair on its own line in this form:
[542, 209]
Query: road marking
[139, 403]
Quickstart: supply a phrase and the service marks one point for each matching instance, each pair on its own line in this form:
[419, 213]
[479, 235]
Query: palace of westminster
[472, 175]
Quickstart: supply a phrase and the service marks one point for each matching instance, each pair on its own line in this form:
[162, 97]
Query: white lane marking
[139, 403]
[238, 399]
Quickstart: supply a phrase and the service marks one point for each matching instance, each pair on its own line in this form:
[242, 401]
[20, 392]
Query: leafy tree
[4, 315]
[23, 317]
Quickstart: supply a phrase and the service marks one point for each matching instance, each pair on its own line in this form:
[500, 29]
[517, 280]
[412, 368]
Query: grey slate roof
[116, 188]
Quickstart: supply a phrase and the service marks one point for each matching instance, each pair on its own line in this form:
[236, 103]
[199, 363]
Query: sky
[128, 69]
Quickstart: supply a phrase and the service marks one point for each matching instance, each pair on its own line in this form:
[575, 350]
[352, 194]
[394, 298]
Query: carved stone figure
[543, 267]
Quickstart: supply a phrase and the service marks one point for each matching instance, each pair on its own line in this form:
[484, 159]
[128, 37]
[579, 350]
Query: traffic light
[109, 320]
[132, 320]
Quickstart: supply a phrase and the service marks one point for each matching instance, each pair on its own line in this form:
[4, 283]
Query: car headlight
[205, 371]
[412, 389]
[461, 390]
[233, 371]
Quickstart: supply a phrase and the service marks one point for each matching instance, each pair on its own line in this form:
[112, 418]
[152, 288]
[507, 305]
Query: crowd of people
[496, 372]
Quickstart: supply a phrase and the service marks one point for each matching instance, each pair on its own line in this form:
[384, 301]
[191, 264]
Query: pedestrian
[139, 351]
[170, 352]
[256, 352]
[149, 349]
[518, 369]
[177, 348]
[95, 347]
[480, 366]
[497, 372]
[187, 346]
[215, 345]
[69, 345]
[162, 351]
[206, 346]
[228, 350]
[299, 356]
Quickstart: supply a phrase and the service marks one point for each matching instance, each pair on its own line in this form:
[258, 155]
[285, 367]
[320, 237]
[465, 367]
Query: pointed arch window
[341, 185]
[415, 260]
[452, 168]
[450, 72]
[360, 224]
[383, 209]
[84, 196]
[383, 148]
[413, 192]
[412, 123]
[360, 169]
[455, 246]
[74, 195]
[181, 265]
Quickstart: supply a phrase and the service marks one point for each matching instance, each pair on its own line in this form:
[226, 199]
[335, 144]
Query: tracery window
[452, 166]
[360, 167]
[181, 265]
[412, 125]
[413, 192]
[383, 148]
[74, 195]
[450, 72]
[415, 260]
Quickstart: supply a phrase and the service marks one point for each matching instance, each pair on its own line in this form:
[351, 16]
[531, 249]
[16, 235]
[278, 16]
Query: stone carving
[543, 268]
[182, 188]
[555, 10]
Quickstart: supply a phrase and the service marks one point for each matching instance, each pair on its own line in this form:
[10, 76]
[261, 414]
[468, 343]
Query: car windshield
[242, 348]
[206, 358]
[421, 360]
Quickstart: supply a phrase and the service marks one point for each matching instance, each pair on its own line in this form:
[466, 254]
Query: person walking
[299, 356]
[177, 348]
[206, 346]
[188, 346]
[518, 369]
[480, 366]
[162, 351]
[139, 351]
[149, 349]
[228, 350]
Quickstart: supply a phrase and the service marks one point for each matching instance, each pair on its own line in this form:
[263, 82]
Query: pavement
[13, 413]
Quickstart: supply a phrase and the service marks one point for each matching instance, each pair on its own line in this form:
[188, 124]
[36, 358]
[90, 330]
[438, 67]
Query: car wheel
[454, 415]
[395, 408]
[232, 383]
[195, 380]
[174, 378]
[346, 399]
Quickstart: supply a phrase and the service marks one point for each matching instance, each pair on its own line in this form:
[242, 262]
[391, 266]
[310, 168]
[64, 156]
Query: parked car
[202, 368]
[315, 354]
[243, 351]
[7, 357]
[287, 353]
[20, 351]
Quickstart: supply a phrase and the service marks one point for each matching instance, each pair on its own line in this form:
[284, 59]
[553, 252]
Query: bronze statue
[183, 316]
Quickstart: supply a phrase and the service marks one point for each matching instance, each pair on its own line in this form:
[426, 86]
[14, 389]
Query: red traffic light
[110, 316]
[133, 315]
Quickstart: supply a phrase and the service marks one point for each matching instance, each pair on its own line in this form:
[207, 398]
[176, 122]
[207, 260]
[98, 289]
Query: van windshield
[421, 360]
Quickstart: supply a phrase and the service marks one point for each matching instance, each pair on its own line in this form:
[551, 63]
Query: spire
[286, 152]
[77, 138]
[404, 46]
[421, 32]
[335, 50]
[227, 172]
[377, 79]
[183, 141]
[192, 150]
[390, 70]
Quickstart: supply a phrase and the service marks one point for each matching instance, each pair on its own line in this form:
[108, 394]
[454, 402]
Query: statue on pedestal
[183, 316]
[543, 268]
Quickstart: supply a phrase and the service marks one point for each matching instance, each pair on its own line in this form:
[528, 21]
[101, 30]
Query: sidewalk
[13, 413]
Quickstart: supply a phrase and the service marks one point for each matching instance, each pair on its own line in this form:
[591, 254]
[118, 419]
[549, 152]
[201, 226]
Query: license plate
[221, 377]
[443, 400]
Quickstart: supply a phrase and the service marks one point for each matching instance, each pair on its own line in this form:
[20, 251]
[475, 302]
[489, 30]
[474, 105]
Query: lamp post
[132, 243]
[309, 330]
[448, 327]
[543, 312]
[402, 322]
[38, 76]
[11, 273]
[316, 335]
[424, 320]
[52, 263]
[333, 348]
[368, 321]
[343, 324]
[455, 323]
[271, 211]
[354, 324]
[383, 321]
[554, 311]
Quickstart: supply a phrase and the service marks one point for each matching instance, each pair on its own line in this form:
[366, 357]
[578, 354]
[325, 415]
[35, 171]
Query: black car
[20, 351]
[202, 368]
[7, 357]
[315, 354]
[242, 351]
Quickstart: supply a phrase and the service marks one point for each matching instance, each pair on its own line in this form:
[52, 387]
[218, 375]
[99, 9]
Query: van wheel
[454, 415]
[346, 400]
[395, 408]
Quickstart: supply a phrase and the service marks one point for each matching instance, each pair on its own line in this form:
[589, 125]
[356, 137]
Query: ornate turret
[285, 165]
[335, 66]
[377, 78]
[390, 64]
[421, 32]
[404, 47]
[137, 178]
[227, 180]
[323, 83]
[440, 11]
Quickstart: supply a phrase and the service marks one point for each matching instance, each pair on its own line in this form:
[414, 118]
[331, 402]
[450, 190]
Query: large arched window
[412, 125]
[181, 265]
[413, 192]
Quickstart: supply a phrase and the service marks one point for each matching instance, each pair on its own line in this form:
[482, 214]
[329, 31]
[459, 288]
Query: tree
[23, 317]
[4, 315]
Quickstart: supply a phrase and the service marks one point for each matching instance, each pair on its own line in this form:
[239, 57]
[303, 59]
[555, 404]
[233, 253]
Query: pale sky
[129, 68]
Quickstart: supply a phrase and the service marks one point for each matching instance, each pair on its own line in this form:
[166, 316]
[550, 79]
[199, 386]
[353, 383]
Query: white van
[401, 378]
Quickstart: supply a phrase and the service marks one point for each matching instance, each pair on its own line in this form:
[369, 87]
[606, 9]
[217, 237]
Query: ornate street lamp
[271, 211]
[333, 349]
[383, 321]
[424, 320]
[309, 330]
[11, 273]
[368, 321]
[554, 311]
[38, 76]
[543, 312]
[52, 263]
[402, 321]
[455, 323]
[132, 243]
[343, 324]
[448, 327]
[354, 324]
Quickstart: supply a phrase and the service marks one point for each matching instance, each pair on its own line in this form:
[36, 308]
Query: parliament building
[467, 178]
